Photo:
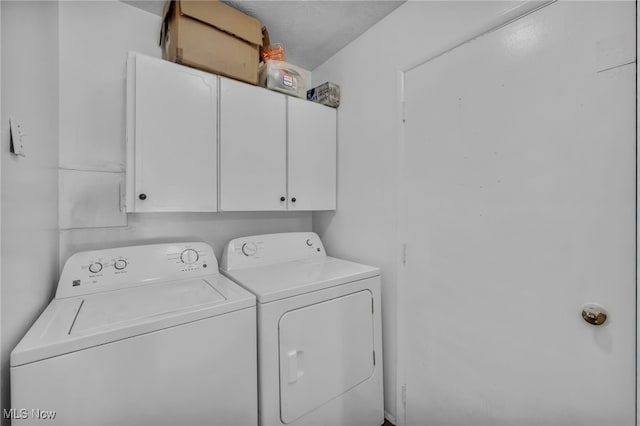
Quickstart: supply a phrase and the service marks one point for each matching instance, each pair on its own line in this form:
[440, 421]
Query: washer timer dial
[249, 249]
[120, 264]
[95, 267]
[189, 256]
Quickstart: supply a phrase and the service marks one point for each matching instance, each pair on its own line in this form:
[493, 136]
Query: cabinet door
[312, 156]
[173, 115]
[252, 148]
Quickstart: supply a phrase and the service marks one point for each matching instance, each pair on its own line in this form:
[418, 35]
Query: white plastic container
[284, 77]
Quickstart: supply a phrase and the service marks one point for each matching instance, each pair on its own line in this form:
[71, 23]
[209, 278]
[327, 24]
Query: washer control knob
[189, 256]
[120, 264]
[95, 267]
[249, 249]
[309, 242]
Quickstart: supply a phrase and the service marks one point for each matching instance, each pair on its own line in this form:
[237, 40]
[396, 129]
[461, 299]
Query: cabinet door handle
[282, 199]
[142, 196]
[293, 200]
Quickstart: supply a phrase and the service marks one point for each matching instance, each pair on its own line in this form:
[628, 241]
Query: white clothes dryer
[319, 330]
[144, 335]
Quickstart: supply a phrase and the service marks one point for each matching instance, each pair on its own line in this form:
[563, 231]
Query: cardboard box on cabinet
[211, 36]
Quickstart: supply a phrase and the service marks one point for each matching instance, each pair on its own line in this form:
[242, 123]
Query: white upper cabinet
[171, 137]
[312, 156]
[253, 142]
[275, 152]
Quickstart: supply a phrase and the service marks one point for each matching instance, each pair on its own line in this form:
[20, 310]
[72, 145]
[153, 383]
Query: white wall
[94, 39]
[637, 217]
[29, 185]
[364, 227]
[2, 379]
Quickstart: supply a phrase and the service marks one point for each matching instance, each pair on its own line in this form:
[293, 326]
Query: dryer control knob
[120, 264]
[189, 256]
[95, 267]
[249, 249]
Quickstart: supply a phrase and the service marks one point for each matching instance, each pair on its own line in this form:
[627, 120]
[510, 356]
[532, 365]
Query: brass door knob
[594, 314]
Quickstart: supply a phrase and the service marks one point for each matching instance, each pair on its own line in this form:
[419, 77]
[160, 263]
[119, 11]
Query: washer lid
[113, 309]
[275, 282]
[72, 324]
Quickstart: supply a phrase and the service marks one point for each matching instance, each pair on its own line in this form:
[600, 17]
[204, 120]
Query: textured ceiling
[311, 31]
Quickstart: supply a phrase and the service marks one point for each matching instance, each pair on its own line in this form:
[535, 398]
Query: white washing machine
[319, 330]
[145, 335]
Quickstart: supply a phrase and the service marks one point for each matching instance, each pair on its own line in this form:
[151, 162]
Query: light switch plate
[16, 138]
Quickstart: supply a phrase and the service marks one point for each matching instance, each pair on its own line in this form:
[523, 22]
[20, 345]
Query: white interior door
[518, 208]
[253, 141]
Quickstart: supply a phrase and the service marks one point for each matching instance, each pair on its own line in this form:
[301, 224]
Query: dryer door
[325, 350]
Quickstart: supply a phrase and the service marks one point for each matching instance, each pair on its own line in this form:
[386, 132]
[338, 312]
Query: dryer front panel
[326, 349]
